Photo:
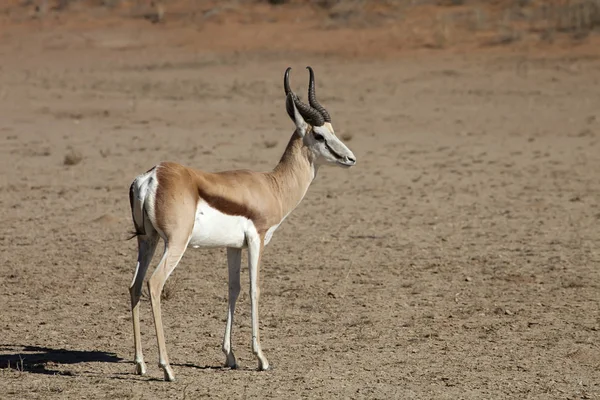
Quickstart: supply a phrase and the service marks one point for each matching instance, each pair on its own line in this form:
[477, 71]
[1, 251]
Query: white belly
[213, 228]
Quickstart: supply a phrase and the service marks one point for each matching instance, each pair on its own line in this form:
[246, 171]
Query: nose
[350, 159]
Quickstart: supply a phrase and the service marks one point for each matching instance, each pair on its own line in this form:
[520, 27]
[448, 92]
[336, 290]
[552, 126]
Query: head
[313, 124]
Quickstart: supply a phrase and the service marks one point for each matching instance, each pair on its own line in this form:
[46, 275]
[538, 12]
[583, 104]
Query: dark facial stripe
[332, 151]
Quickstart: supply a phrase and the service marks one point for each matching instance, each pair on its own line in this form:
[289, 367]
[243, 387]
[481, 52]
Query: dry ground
[458, 259]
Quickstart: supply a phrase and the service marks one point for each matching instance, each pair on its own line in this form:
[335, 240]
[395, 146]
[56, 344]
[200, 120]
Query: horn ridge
[310, 114]
[312, 97]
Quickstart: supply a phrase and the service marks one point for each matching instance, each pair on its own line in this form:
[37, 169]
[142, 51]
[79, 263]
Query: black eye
[319, 137]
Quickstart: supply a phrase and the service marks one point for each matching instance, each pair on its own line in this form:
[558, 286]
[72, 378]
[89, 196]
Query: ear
[290, 106]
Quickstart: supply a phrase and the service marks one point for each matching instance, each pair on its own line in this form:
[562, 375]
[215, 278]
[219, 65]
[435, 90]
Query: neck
[294, 174]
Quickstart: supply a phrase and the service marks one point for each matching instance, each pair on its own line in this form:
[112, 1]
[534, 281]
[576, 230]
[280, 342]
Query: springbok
[233, 209]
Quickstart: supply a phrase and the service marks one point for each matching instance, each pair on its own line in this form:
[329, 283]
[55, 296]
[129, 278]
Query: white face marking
[322, 141]
[213, 228]
[328, 148]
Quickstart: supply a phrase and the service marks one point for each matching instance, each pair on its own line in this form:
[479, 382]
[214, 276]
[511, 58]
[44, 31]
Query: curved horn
[311, 115]
[312, 97]
[286, 81]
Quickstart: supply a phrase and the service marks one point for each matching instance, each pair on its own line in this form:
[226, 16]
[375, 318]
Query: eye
[318, 137]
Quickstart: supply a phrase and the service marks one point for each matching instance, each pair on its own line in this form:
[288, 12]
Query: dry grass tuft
[72, 157]
[168, 293]
[169, 290]
[269, 144]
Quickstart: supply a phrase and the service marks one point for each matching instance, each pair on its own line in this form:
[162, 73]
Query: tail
[137, 211]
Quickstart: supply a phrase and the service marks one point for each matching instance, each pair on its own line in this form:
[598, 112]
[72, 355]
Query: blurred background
[354, 27]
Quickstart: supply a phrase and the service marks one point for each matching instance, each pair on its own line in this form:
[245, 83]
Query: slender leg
[146, 247]
[234, 262]
[255, 247]
[174, 250]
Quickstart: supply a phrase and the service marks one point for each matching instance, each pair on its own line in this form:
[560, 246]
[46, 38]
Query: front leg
[255, 248]
[234, 262]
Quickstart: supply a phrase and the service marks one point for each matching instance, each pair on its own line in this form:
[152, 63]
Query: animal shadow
[40, 360]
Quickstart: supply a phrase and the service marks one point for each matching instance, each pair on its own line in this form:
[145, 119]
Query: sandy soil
[458, 259]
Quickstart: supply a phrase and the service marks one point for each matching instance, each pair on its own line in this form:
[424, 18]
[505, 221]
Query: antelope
[236, 209]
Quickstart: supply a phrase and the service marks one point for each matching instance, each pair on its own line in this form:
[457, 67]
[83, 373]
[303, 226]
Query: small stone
[468, 279]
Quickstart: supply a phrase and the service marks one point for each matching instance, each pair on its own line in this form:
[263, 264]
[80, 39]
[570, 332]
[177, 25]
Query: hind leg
[174, 249]
[146, 248]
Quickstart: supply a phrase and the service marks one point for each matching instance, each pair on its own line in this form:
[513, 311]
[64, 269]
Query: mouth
[346, 164]
[341, 160]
